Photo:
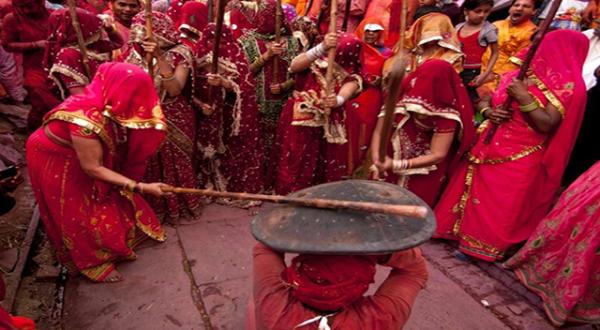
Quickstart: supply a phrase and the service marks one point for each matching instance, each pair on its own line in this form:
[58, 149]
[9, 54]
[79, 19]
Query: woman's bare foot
[114, 276]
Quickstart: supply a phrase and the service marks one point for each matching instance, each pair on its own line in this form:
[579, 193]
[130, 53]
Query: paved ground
[200, 279]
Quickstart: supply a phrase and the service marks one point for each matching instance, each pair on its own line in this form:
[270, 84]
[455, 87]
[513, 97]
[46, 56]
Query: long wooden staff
[331, 52]
[403, 22]
[530, 54]
[218, 31]
[211, 7]
[346, 15]
[80, 41]
[149, 34]
[278, 21]
[308, 7]
[402, 210]
[394, 79]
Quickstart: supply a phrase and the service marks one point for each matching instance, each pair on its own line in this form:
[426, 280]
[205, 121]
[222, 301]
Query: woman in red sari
[362, 116]
[311, 145]
[433, 129]
[173, 79]
[84, 164]
[273, 86]
[228, 130]
[503, 189]
[560, 261]
[24, 32]
[63, 56]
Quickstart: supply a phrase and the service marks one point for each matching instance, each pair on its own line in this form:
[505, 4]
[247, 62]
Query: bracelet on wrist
[340, 100]
[130, 186]
[529, 107]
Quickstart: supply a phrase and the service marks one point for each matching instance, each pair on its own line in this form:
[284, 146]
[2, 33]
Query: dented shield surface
[291, 228]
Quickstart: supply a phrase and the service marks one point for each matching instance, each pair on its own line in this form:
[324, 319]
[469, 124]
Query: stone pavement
[200, 278]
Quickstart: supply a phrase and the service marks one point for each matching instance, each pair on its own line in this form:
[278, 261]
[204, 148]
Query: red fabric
[18, 27]
[101, 229]
[264, 22]
[435, 101]
[328, 283]
[63, 34]
[240, 17]
[229, 140]
[276, 307]
[95, 8]
[5, 320]
[472, 49]
[526, 165]
[302, 153]
[194, 14]
[361, 117]
[23, 323]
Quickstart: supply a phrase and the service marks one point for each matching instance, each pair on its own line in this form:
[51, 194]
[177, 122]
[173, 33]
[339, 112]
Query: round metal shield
[292, 228]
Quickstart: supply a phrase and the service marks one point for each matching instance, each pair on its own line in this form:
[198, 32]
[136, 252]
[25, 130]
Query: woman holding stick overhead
[503, 189]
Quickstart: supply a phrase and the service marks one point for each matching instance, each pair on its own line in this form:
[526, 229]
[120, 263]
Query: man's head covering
[328, 282]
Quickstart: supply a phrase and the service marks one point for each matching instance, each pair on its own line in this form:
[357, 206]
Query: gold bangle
[168, 76]
[484, 109]
[130, 185]
[529, 107]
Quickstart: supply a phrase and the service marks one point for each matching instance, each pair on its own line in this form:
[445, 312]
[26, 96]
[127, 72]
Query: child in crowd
[476, 35]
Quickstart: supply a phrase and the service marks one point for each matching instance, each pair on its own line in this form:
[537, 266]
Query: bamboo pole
[530, 54]
[80, 41]
[414, 211]
[149, 35]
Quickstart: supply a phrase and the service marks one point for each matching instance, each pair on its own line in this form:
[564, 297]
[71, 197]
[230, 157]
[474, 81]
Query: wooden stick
[346, 15]
[218, 31]
[401, 210]
[149, 35]
[394, 79]
[331, 53]
[211, 8]
[80, 41]
[278, 23]
[403, 21]
[530, 54]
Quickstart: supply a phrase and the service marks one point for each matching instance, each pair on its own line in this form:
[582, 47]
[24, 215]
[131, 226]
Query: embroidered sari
[91, 223]
[311, 146]
[503, 189]
[254, 43]
[560, 261]
[63, 56]
[434, 100]
[174, 163]
[230, 150]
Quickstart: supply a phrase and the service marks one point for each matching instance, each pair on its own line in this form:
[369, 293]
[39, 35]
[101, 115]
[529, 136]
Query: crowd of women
[121, 114]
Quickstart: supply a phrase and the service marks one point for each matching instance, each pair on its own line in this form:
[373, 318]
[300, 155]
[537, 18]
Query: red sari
[231, 152]
[254, 43]
[63, 56]
[91, 223]
[20, 28]
[500, 193]
[560, 261]
[174, 163]
[362, 116]
[312, 147]
[434, 100]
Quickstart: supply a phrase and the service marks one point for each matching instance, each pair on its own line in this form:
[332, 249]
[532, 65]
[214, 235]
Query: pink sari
[310, 146]
[560, 261]
[499, 195]
[91, 223]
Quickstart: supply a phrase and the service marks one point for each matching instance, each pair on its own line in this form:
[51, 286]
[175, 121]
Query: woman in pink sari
[433, 123]
[560, 261]
[85, 164]
[230, 149]
[503, 189]
[63, 55]
[173, 79]
[311, 144]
